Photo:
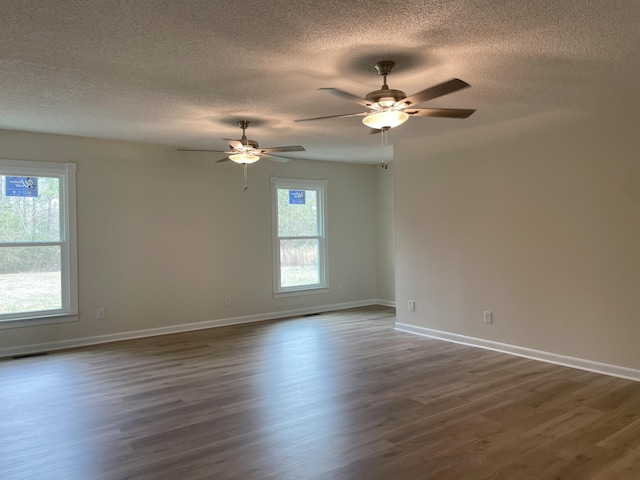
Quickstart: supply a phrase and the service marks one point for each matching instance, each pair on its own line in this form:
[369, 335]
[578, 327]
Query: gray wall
[538, 221]
[386, 234]
[164, 236]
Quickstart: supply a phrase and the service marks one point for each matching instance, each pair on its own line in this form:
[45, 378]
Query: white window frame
[66, 174]
[320, 186]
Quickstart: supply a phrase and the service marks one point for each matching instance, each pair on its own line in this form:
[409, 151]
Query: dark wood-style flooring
[340, 395]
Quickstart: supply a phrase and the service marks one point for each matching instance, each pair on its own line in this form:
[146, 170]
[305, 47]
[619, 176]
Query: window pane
[30, 279]
[299, 262]
[29, 209]
[297, 213]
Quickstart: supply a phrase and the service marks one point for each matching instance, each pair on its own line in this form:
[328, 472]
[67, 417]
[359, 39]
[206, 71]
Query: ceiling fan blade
[277, 158]
[436, 91]
[199, 150]
[346, 95]
[439, 112]
[233, 143]
[225, 159]
[292, 148]
[361, 114]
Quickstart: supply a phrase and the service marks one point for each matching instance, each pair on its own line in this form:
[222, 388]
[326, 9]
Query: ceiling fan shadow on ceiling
[388, 108]
[245, 151]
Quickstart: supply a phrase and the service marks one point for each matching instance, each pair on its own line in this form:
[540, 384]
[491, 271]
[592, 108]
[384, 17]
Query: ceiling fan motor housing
[386, 97]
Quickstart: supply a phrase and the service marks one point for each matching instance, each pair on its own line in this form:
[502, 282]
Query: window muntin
[299, 235]
[37, 241]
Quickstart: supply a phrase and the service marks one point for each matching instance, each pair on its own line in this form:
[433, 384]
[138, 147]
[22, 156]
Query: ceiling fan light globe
[244, 158]
[388, 119]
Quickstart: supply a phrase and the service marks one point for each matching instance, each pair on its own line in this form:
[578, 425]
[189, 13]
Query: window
[299, 236]
[38, 277]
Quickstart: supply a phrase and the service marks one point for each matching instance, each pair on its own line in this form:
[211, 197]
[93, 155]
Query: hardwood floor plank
[336, 396]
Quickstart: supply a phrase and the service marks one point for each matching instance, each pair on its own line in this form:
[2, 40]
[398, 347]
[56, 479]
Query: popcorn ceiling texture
[181, 73]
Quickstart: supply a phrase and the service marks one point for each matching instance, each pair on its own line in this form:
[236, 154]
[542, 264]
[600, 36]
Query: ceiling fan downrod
[244, 124]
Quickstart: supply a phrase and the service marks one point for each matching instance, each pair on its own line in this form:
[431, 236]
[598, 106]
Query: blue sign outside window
[296, 197]
[21, 186]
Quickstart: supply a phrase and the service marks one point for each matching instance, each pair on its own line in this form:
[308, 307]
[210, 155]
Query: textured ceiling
[181, 72]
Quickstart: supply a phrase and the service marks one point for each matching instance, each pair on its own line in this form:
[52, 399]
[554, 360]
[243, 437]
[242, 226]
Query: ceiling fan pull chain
[384, 136]
[246, 167]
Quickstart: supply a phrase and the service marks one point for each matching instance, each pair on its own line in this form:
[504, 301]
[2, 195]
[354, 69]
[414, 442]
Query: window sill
[302, 291]
[38, 320]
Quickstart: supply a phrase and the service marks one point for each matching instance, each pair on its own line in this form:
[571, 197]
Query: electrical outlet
[488, 317]
[100, 313]
[412, 306]
[227, 300]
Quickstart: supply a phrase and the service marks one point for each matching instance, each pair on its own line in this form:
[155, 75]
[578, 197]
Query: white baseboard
[580, 363]
[386, 303]
[223, 322]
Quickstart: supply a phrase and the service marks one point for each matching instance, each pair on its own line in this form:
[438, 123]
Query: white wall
[538, 221]
[163, 235]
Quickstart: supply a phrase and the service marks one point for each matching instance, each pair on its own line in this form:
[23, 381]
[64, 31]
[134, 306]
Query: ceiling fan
[246, 151]
[387, 108]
